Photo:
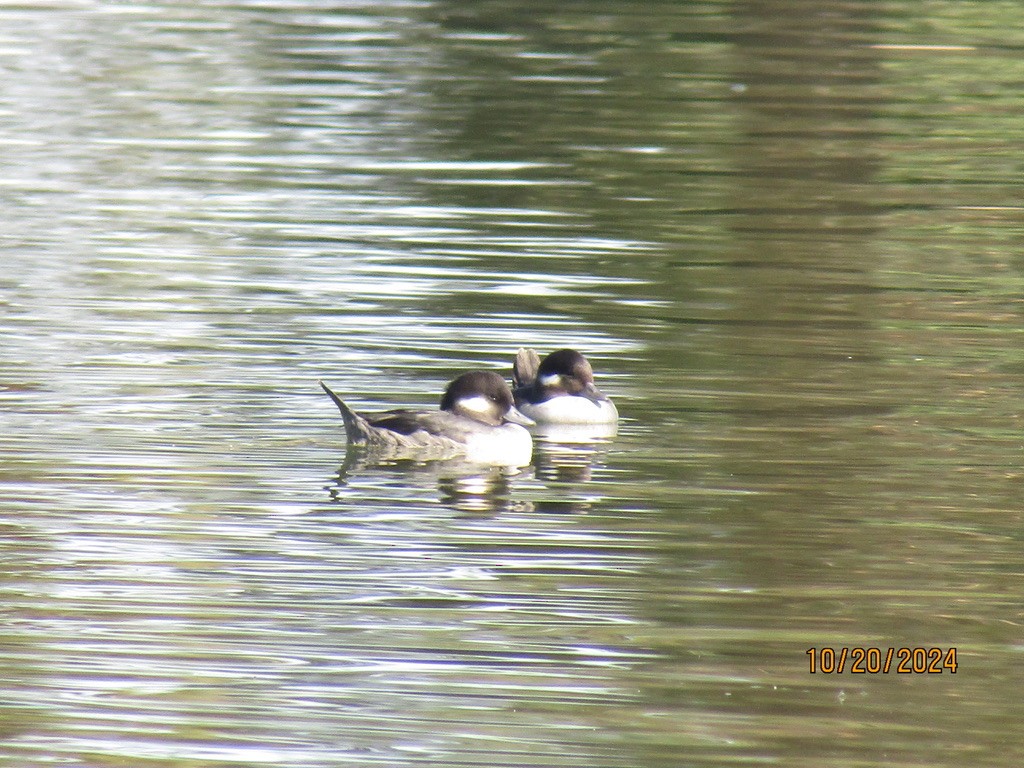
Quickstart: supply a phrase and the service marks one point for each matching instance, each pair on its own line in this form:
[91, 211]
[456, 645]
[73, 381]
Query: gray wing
[424, 425]
[524, 369]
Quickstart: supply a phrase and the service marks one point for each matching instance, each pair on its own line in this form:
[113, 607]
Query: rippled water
[787, 236]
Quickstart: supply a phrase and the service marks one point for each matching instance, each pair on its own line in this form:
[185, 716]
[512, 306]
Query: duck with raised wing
[477, 421]
[560, 389]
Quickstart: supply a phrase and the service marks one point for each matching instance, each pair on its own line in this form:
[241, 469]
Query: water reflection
[462, 486]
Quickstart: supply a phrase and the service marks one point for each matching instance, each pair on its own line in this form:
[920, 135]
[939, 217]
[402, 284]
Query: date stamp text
[872, 661]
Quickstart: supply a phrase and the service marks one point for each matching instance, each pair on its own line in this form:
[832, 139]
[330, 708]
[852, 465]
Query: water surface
[787, 236]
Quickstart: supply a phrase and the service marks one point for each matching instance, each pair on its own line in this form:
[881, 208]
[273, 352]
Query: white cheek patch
[550, 380]
[477, 404]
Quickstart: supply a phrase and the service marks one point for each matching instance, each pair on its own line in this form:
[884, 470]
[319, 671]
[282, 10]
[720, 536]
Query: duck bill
[593, 394]
[516, 417]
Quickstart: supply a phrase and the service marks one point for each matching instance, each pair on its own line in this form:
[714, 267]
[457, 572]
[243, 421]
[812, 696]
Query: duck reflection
[569, 452]
[461, 485]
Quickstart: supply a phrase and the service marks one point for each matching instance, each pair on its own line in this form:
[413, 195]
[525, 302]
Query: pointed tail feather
[355, 425]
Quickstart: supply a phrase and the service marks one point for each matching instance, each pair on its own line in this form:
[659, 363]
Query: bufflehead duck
[478, 421]
[560, 390]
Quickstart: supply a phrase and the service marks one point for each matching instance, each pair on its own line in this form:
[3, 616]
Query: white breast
[571, 409]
